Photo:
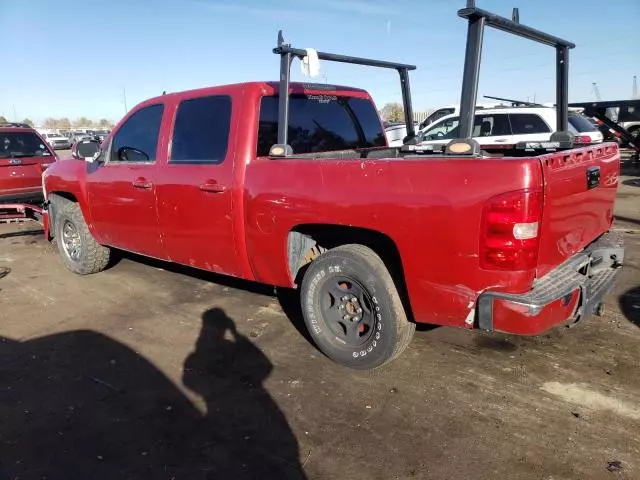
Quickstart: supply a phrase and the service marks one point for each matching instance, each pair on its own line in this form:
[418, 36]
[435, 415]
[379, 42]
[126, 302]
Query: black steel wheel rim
[348, 310]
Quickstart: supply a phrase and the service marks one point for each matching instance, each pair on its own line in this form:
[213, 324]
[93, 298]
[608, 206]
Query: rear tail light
[510, 235]
[582, 139]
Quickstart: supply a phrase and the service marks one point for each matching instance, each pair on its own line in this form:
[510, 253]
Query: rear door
[121, 185]
[579, 194]
[195, 188]
[23, 156]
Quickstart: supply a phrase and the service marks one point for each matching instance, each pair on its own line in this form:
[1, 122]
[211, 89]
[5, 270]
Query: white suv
[509, 126]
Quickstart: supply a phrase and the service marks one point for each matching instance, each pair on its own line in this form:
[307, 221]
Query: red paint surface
[430, 207]
[512, 318]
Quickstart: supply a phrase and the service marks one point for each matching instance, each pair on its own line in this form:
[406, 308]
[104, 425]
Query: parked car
[24, 155]
[451, 109]
[375, 238]
[396, 133]
[100, 135]
[339, 220]
[511, 125]
[57, 141]
[78, 136]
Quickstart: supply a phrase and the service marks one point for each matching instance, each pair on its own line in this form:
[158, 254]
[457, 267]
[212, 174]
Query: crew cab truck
[376, 239]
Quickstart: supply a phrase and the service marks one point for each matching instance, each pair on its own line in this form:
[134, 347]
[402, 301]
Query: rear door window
[525, 123]
[201, 130]
[321, 123]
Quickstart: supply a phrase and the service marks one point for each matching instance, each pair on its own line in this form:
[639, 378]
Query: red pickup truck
[376, 239]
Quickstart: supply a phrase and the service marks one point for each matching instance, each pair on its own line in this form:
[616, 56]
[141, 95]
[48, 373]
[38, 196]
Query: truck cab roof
[265, 88]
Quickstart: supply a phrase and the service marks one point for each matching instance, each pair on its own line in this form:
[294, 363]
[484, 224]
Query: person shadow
[80, 404]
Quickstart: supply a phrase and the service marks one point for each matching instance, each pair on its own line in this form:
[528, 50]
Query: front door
[121, 185]
[195, 188]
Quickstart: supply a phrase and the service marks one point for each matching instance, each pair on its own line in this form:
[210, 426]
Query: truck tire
[352, 308]
[79, 251]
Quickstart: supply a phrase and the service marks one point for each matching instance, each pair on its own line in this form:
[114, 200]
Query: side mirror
[129, 154]
[85, 150]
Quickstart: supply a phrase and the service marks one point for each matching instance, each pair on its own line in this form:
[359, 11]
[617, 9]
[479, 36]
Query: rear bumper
[571, 292]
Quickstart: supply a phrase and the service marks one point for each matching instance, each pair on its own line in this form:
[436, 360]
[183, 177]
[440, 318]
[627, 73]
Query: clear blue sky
[72, 58]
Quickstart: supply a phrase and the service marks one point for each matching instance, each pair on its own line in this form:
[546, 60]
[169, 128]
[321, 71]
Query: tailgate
[579, 194]
[18, 173]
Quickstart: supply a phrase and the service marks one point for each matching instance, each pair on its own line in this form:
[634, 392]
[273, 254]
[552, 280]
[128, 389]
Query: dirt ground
[152, 371]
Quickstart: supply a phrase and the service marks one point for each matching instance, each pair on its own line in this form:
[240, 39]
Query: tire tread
[97, 256]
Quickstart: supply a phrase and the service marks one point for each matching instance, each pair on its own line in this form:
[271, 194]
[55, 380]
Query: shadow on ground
[634, 182]
[630, 305]
[82, 405]
[22, 233]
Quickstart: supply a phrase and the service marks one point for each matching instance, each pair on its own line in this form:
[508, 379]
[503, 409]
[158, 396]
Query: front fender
[65, 182]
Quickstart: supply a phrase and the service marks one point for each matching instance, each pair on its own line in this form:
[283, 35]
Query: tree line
[66, 124]
[394, 112]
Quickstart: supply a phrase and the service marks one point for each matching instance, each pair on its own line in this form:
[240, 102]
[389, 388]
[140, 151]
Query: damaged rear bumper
[573, 291]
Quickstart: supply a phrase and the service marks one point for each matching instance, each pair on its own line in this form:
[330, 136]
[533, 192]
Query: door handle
[212, 187]
[142, 182]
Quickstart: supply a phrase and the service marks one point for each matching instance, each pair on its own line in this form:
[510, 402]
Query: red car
[294, 185]
[24, 155]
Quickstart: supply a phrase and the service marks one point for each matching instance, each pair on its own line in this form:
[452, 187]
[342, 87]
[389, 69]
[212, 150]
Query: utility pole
[15, 116]
[596, 91]
[634, 89]
[124, 99]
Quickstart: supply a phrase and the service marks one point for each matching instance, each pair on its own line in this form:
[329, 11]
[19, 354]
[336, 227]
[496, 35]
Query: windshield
[321, 123]
[22, 144]
[581, 123]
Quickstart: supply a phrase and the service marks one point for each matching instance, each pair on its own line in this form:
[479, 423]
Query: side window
[137, 138]
[201, 130]
[491, 125]
[525, 123]
[442, 130]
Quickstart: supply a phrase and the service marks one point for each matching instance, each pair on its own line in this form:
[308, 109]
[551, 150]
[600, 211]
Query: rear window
[582, 124]
[321, 123]
[201, 130]
[22, 144]
[524, 123]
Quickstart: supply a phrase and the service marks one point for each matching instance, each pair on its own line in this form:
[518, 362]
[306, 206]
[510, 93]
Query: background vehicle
[57, 141]
[24, 155]
[508, 126]
[451, 109]
[395, 133]
[100, 135]
[302, 191]
[77, 136]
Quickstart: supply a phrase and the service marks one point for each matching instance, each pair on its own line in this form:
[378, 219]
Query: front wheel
[79, 251]
[352, 308]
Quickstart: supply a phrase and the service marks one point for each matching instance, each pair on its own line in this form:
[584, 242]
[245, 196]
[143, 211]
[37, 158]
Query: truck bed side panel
[430, 208]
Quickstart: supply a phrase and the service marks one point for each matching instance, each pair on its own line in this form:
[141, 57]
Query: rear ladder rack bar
[287, 53]
[478, 19]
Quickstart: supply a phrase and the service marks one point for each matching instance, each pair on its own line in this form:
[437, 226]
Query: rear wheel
[352, 308]
[79, 251]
